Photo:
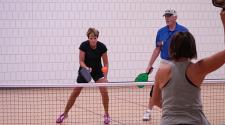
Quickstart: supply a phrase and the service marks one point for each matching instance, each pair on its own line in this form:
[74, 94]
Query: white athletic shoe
[147, 115]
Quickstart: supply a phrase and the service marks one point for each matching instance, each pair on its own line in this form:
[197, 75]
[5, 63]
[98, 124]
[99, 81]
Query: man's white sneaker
[147, 115]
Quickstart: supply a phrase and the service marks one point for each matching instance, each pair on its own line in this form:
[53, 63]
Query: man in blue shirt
[163, 38]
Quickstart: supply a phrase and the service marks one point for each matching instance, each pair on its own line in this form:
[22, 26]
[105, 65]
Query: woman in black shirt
[90, 55]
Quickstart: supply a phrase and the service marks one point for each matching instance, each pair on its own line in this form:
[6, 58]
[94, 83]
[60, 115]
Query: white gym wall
[39, 39]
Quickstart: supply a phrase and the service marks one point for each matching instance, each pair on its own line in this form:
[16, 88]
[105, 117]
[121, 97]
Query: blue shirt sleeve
[158, 41]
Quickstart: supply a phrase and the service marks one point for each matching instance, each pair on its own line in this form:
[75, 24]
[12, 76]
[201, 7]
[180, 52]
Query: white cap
[170, 12]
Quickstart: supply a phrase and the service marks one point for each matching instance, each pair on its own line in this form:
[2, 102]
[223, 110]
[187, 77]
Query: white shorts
[164, 61]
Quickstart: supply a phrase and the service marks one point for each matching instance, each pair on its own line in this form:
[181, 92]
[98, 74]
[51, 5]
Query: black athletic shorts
[95, 75]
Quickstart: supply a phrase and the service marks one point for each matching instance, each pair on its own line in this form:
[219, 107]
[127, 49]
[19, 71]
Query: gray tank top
[181, 99]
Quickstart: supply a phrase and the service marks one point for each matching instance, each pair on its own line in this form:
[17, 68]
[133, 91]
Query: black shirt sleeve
[103, 48]
[84, 46]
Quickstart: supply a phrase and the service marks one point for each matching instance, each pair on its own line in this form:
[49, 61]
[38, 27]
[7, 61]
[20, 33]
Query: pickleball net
[35, 105]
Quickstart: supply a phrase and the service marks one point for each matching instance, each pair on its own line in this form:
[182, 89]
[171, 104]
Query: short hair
[182, 46]
[93, 31]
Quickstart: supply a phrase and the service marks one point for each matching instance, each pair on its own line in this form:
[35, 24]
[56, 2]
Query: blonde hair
[92, 31]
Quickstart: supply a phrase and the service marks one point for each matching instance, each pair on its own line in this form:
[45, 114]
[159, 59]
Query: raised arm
[210, 64]
[215, 61]
[199, 70]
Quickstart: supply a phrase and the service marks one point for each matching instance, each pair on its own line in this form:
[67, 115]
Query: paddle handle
[150, 70]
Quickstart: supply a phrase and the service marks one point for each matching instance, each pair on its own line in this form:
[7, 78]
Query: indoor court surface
[41, 106]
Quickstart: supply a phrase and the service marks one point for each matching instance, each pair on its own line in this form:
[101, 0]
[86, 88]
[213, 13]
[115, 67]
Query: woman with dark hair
[177, 85]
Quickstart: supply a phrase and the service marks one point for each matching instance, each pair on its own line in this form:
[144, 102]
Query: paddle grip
[150, 70]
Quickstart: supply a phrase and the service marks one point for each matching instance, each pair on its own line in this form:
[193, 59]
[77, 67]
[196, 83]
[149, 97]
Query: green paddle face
[143, 77]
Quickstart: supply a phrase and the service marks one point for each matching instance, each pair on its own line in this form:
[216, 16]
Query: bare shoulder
[163, 74]
[195, 73]
[198, 71]
[194, 66]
